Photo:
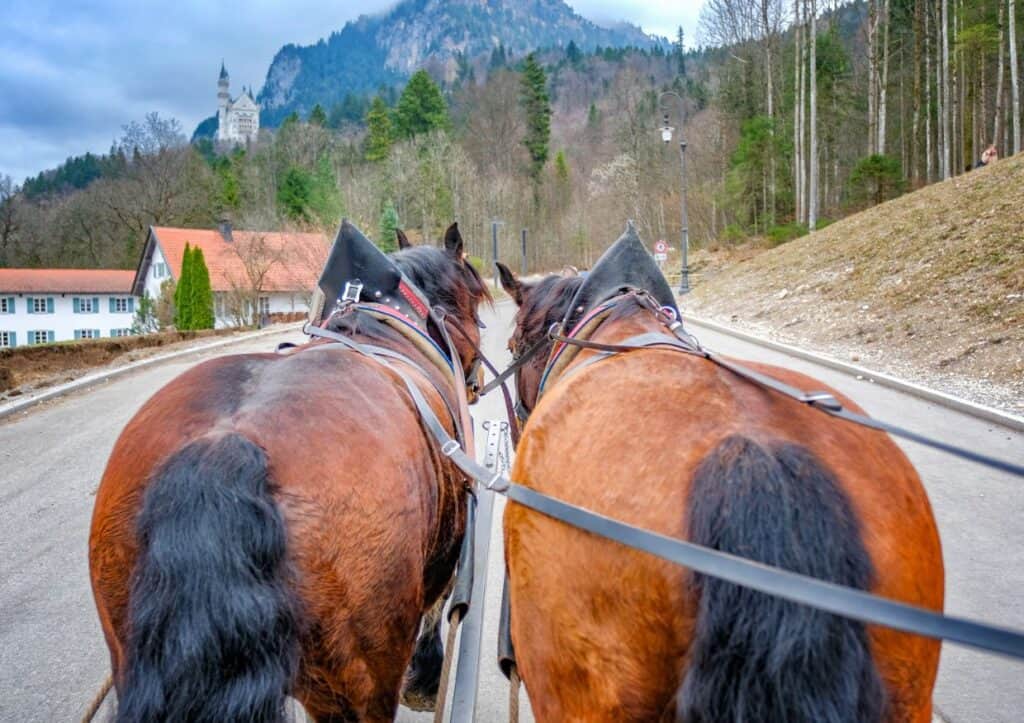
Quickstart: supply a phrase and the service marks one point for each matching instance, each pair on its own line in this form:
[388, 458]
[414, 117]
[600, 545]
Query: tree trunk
[1014, 87]
[812, 201]
[798, 113]
[768, 37]
[872, 77]
[945, 89]
[928, 100]
[915, 132]
[997, 135]
[883, 84]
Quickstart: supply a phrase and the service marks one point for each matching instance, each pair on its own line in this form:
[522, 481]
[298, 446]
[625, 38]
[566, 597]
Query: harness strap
[841, 600]
[499, 380]
[822, 401]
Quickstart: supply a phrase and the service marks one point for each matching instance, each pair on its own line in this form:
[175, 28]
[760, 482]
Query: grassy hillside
[929, 286]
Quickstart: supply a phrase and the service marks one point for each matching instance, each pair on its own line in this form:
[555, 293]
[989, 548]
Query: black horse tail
[755, 657]
[213, 628]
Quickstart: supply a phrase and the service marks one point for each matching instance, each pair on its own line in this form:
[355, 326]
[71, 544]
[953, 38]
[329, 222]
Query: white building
[276, 271]
[39, 306]
[238, 120]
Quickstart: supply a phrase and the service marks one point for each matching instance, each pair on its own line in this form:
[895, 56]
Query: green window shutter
[10, 306]
[78, 334]
[49, 305]
[111, 304]
[95, 333]
[131, 305]
[28, 308]
[14, 338]
[77, 303]
[49, 335]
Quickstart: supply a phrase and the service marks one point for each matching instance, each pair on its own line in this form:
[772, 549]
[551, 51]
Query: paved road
[52, 655]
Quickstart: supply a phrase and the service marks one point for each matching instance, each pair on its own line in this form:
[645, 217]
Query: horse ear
[403, 240]
[453, 241]
[510, 283]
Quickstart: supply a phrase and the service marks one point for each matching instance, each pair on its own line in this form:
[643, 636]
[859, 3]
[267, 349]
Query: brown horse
[277, 524]
[674, 444]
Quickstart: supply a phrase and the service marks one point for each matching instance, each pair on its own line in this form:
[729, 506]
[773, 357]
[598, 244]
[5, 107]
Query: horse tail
[213, 628]
[755, 657]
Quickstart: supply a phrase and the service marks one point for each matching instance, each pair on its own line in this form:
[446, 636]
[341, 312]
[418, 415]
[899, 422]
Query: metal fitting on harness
[450, 447]
[822, 399]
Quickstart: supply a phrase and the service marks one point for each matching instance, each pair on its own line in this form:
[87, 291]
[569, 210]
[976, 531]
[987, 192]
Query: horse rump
[213, 627]
[755, 657]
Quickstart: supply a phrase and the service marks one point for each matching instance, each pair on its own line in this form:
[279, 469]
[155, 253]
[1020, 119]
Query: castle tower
[223, 100]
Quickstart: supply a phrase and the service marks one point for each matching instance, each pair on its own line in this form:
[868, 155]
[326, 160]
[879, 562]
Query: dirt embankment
[928, 287]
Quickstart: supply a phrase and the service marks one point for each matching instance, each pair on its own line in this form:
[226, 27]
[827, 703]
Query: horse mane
[455, 287]
[545, 303]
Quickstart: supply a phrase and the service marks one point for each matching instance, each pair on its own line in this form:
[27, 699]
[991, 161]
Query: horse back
[625, 437]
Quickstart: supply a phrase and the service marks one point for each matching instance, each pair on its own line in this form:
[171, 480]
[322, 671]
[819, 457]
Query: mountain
[385, 49]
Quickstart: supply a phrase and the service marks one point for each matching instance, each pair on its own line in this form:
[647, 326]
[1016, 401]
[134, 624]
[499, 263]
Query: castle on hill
[238, 120]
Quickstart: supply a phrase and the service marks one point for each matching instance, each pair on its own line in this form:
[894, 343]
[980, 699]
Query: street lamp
[666, 135]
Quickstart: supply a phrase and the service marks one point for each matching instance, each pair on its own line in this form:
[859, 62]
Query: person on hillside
[989, 155]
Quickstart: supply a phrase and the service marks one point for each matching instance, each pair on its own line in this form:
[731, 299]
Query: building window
[87, 333]
[264, 306]
[7, 339]
[120, 332]
[40, 337]
[6, 305]
[159, 270]
[86, 305]
[40, 305]
[121, 304]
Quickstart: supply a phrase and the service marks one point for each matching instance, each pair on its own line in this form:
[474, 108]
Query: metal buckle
[352, 290]
[450, 447]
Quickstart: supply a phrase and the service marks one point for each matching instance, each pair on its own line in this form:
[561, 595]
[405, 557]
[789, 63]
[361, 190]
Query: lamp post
[666, 136]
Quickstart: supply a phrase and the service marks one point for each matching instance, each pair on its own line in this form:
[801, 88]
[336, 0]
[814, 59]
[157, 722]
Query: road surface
[52, 655]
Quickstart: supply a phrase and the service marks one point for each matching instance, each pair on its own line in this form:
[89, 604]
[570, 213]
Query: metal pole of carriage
[666, 136]
[468, 662]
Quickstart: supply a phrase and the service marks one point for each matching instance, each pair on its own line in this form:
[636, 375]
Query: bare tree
[883, 82]
[812, 201]
[258, 256]
[997, 120]
[947, 140]
[1014, 85]
[10, 222]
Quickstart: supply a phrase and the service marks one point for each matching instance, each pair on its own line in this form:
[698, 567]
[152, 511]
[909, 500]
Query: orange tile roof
[60, 281]
[292, 261]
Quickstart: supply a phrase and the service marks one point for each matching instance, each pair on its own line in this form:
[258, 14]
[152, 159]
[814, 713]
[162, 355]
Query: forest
[794, 114]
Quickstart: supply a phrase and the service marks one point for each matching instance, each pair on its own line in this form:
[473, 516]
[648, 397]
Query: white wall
[64, 321]
[157, 273]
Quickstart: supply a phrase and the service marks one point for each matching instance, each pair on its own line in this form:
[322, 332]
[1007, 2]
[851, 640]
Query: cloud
[73, 72]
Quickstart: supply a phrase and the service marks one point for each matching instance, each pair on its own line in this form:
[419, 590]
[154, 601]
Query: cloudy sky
[72, 72]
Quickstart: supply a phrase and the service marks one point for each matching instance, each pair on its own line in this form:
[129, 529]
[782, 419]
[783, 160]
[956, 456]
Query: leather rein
[837, 599]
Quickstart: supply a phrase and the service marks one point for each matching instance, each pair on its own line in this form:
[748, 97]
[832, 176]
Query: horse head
[452, 285]
[541, 304]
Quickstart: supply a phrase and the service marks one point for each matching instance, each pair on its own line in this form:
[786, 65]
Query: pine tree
[202, 293]
[295, 193]
[421, 108]
[325, 202]
[379, 133]
[387, 242]
[573, 54]
[317, 116]
[183, 293]
[534, 100]
[680, 53]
